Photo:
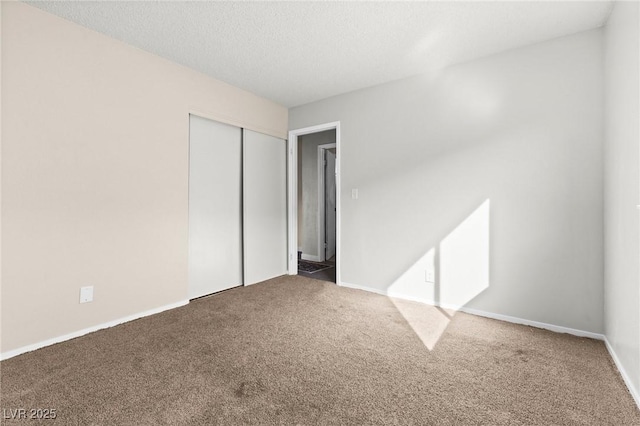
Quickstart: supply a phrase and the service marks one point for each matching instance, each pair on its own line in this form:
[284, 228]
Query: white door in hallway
[265, 207]
[330, 204]
[215, 216]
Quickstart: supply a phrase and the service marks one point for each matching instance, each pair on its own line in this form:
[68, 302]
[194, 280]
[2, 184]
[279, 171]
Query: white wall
[506, 152]
[308, 202]
[95, 173]
[622, 188]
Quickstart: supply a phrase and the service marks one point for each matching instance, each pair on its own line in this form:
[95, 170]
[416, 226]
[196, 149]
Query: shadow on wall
[447, 276]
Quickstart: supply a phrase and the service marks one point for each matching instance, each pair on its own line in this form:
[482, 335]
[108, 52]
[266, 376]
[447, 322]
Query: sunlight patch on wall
[464, 260]
[445, 278]
[413, 283]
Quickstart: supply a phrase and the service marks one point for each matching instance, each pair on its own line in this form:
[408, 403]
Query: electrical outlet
[86, 294]
[430, 276]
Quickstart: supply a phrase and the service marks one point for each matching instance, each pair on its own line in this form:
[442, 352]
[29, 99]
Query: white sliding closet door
[215, 216]
[265, 207]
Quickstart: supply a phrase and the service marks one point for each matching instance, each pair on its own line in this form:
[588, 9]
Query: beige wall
[522, 129]
[622, 188]
[95, 167]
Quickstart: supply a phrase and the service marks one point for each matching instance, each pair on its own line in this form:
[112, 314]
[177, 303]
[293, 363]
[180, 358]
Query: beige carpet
[299, 351]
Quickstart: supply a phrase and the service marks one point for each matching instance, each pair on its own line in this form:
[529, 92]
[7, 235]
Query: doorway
[314, 202]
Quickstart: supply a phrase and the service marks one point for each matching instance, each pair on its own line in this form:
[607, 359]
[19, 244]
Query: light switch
[354, 193]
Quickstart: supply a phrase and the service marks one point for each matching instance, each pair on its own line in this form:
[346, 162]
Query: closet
[237, 207]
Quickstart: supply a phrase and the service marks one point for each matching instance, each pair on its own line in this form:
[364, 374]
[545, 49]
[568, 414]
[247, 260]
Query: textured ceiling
[298, 52]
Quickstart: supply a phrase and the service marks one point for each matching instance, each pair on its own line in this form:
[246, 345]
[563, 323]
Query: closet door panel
[265, 207]
[215, 215]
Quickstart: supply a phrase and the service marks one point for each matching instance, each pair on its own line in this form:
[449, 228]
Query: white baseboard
[635, 393]
[507, 318]
[48, 342]
[543, 325]
[361, 287]
[310, 257]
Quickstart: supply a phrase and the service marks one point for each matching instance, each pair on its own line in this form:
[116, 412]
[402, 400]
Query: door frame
[292, 189]
[321, 200]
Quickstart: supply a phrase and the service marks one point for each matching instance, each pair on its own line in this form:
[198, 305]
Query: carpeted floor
[294, 350]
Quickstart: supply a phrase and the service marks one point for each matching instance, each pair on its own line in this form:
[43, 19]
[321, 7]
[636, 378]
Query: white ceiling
[298, 52]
